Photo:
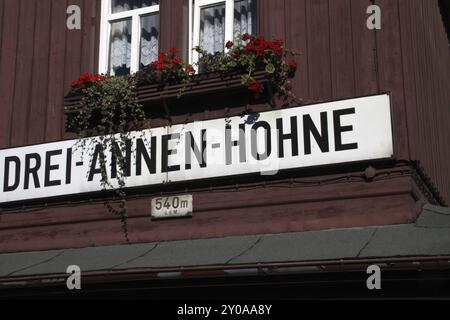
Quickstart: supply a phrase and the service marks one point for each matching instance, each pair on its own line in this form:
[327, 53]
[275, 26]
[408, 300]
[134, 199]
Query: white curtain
[244, 17]
[212, 28]
[149, 39]
[120, 50]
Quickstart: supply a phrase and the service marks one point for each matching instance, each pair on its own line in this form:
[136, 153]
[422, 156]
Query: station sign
[266, 143]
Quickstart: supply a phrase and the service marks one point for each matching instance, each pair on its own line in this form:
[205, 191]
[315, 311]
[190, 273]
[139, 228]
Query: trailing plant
[108, 105]
[110, 110]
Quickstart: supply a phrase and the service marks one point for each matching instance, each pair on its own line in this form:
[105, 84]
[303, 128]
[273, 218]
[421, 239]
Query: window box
[156, 98]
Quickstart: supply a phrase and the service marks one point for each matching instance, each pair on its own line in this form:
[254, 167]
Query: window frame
[107, 17]
[195, 7]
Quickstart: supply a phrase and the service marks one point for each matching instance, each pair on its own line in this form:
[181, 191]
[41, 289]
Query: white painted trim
[105, 30]
[135, 44]
[190, 31]
[104, 37]
[229, 22]
[135, 12]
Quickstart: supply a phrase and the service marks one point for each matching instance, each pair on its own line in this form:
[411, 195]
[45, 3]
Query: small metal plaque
[172, 207]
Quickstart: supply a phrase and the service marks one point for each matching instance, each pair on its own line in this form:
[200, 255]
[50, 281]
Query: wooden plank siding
[341, 49]
[10, 26]
[173, 22]
[39, 57]
[55, 91]
[340, 58]
[390, 72]
[2, 5]
[40, 72]
[295, 16]
[426, 83]
[365, 64]
[20, 117]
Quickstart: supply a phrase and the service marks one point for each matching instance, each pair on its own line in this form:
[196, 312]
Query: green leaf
[270, 68]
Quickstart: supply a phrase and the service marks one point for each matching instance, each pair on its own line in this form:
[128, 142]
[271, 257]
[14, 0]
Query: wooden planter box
[201, 86]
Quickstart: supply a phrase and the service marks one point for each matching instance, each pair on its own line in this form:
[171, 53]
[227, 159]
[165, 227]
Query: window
[217, 21]
[129, 35]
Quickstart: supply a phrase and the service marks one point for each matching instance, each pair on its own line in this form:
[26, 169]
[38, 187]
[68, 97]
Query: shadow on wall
[444, 5]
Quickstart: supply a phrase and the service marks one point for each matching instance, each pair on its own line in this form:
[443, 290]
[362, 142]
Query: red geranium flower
[260, 49]
[97, 77]
[189, 69]
[256, 87]
[276, 46]
[292, 64]
[250, 46]
[278, 43]
[86, 78]
[158, 65]
[229, 44]
[176, 60]
[75, 83]
[246, 37]
[174, 51]
[162, 57]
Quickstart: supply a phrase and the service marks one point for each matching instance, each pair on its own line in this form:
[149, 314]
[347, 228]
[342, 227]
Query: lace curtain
[149, 39]
[212, 28]
[120, 49]
[244, 17]
[212, 24]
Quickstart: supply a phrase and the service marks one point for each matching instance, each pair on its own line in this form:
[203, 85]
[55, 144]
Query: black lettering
[293, 136]
[229, 144]
[69, 166]
[124, 161]
[190, 145]
[6, 186]
[165, 153]
[268, 142]
[49, 167]
[32, 171]
[98, 153]
[339, 129]
[141, 151]
[321, 138]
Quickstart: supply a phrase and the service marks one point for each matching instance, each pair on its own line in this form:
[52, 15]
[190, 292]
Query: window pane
[244, 17]
[212, 28]
[120, 47]
[149, 39]
[124, 5]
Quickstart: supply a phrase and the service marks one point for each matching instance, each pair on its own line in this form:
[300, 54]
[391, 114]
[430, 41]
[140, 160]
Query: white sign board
[322, 134]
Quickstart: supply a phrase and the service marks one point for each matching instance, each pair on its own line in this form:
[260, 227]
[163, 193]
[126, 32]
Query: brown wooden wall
[340, 58]
[409, 56]
[39, 57]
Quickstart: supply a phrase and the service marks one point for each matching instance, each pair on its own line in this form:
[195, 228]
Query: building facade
[298, 227]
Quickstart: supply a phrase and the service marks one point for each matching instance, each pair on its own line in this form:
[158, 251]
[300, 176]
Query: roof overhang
[424, 244]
